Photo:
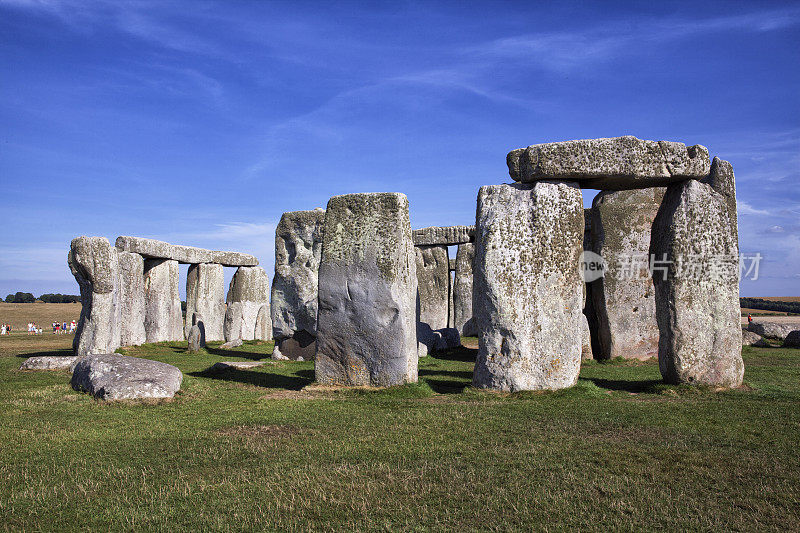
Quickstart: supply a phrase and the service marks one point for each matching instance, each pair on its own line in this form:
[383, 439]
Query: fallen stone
[528, 288]
[153, 249]
[616, 163]
[225, 366]
[752, 339]
[624, 298]
[235, 343]
[433, 282]
[250, 287]
[462, 291]
[195, 339]
[298, 248]
[276, 354]
[163, 319]
[95, 265]
[366, 334]
[131, 299]
[696, 276]
[205, 299]
[49, 362]
[119, 377]
[444, 235]
[792, 340]
[433, 341]
[772, 330]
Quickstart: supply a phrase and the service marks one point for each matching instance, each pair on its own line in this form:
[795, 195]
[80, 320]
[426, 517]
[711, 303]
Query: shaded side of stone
[366, 333]
[462, 291]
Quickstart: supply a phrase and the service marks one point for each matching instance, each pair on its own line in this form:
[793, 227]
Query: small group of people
[5, 329]
[33, 329]
[62, 327]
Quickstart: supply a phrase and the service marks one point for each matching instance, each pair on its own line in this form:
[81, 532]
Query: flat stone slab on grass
[119, 377]
[153, 249]
[49, 362]
[223, 366]
[616, 163]
[773, 330]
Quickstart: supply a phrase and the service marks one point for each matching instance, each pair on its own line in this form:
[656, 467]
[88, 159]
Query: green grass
[251, 449]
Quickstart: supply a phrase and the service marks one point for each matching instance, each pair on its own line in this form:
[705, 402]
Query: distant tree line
[28, 298]
[770, 305]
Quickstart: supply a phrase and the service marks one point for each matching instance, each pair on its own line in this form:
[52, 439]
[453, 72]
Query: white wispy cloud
[746, 209]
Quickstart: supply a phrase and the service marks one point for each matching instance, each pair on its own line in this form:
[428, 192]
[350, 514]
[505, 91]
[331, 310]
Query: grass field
[18, 315]
[258, 449]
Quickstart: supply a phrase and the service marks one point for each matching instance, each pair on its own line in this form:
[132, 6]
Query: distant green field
[253, 450]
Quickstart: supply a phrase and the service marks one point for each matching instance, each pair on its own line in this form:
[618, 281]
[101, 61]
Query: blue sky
[201, 122]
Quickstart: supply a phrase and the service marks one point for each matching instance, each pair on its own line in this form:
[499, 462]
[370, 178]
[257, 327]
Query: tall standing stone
[462, 291]
[205, 298]
[528, 290]
[131, 299]
[163, 317]
[696, 275]
[624, 298]
[298, 247]
[250, 287]
[366, 334]
[94, 263]
[433, 285]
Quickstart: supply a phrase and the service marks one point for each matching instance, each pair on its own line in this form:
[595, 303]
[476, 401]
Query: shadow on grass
[255, 356]
[650, 386]
[297, 381]
[439, 382]
[65, 352]
[462, 353]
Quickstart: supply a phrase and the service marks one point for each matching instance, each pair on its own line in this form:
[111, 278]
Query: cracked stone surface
[610, 163]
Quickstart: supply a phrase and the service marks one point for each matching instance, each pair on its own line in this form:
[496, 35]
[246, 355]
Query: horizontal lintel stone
[615, 163]
[444, 235]
[153, 249]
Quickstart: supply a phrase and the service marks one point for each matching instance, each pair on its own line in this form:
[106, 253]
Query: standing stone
[205, 296]
[95, 265]
[696, 275]
[528, 288]
[586, 339]
[233, 321]
[195, 339]
[298, 247]
[131, 299]
[163, 318]
[433, 282]
[366, 333]
[462, 291]
[624, 298]
[250, 287]
[263, 329]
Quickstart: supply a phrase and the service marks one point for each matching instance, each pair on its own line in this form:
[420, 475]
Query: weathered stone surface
[444, 235]
[163, 320]
[233, 321]
[235, 343]
[263, 331]
[131, 299]
[586, 339]
[722, 180]
[773, 330]
[752, 339]
[611, 163]
[624, 298]
[792, 340]
[153, 249]
[432, 341]
[205, 299]
[49, 362]
[119, 377]
[95, 265]
[250, 287]
[433, 282]
[225, 366]
[298, 248]
[195, 339]
[462, 291]
[528, 289]
[453, 264]
[366, 335]
[696, 276]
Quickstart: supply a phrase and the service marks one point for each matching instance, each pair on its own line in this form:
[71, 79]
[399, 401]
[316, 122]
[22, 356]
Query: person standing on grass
[30, 328]
[749, 318]
[63, 328]
[3, 329]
